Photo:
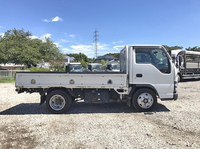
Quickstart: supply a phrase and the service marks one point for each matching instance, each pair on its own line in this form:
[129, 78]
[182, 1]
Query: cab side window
[155, 56]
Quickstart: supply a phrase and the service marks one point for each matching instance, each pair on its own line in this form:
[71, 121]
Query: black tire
[58, 101]
[179, 78]
[144, 100]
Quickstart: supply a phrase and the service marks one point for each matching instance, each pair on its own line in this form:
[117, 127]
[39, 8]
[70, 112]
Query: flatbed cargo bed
[71, 80]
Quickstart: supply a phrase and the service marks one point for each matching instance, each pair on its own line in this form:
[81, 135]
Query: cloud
[114, 42]
[45, 36]
[81, 48]
[87, 49]
[45, 20]
[1, 27]
[2, 34]
[33, 37]
[58, 44]
[56, 19]
[72, 36]
[64, 40]
[65, 50]
[118, 48]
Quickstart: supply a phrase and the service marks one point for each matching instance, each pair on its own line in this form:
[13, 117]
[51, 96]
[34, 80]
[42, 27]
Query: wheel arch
[46, 91]
[136, 87]
[66, 90]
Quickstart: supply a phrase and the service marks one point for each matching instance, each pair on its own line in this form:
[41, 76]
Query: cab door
[152, 67]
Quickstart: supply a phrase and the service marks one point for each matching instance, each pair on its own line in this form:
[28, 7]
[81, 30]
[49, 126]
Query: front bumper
[175, 97]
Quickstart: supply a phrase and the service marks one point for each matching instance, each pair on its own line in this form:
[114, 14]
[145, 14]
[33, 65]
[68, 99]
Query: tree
[57, 66]
[91, 59]
[172, 47]
[50, 51]
[103, 62]
[196, 48]
[82, 58]
[17, 47]
[79, 57]
[84, 64]
[117, 55]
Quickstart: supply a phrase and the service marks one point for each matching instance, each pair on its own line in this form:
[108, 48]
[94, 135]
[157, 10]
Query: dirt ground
[26, 124]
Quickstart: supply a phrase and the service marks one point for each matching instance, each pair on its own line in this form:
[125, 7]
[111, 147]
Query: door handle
[139, 75]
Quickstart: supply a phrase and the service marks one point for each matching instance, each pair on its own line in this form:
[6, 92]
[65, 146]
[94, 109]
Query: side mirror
[180, 59]
[177, 58]
[170, 52]
[67, 68]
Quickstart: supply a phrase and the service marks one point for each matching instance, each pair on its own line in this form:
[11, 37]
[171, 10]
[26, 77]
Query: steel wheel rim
[57, 102]
[145, 100]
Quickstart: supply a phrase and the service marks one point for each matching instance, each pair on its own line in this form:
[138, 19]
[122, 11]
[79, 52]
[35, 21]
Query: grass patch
[6, 79]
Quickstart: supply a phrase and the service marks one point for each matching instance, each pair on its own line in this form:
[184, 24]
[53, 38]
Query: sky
[71, 23]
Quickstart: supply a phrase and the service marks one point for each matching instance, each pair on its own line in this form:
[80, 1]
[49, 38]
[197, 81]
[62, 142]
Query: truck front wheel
[144, 100]
[58, 101]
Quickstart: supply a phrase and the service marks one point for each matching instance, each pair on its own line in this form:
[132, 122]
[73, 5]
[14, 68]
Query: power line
[95, 42]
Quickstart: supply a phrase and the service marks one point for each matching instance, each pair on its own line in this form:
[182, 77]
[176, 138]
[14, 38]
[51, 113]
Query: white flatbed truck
[187, 63]
[146, 73]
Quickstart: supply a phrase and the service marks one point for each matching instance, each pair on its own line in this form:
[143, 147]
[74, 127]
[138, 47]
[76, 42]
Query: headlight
[175, 87]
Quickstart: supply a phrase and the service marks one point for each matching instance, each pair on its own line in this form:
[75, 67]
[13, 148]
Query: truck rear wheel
[58, 101]
[144, 100]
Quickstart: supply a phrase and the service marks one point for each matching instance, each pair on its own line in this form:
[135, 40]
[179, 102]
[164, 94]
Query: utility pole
[95, 42]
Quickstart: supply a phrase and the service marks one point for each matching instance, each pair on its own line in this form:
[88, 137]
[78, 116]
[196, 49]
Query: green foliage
[57, 66]
[82, 58]
[172, 47]
[36, 69]
[79, 57]
[117, 55]
[103, 62]
[193, 49]
[91, 60]
[7, 79]
[17, 47]
[84, 64]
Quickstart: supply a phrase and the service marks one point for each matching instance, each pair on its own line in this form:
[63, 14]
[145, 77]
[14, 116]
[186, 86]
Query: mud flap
[42, 98]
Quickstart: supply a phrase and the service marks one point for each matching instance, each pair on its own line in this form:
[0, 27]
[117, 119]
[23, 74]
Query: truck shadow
[78, 108]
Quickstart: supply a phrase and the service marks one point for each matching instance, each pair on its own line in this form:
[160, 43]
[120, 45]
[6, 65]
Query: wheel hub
[57, 102]
[145, 100]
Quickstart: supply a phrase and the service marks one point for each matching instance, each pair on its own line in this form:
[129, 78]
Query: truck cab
[187, 64]
[150, 66]
[113, 66]
[95, 67]
[74, 67]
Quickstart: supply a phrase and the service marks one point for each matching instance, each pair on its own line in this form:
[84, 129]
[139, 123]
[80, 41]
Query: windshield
[75, 67]
[98, 67]
[116, 66]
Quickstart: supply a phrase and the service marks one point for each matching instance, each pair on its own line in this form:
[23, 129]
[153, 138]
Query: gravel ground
[26, 124]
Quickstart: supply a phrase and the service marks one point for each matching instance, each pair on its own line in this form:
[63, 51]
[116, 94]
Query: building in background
[106, 58]
[10, 66]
